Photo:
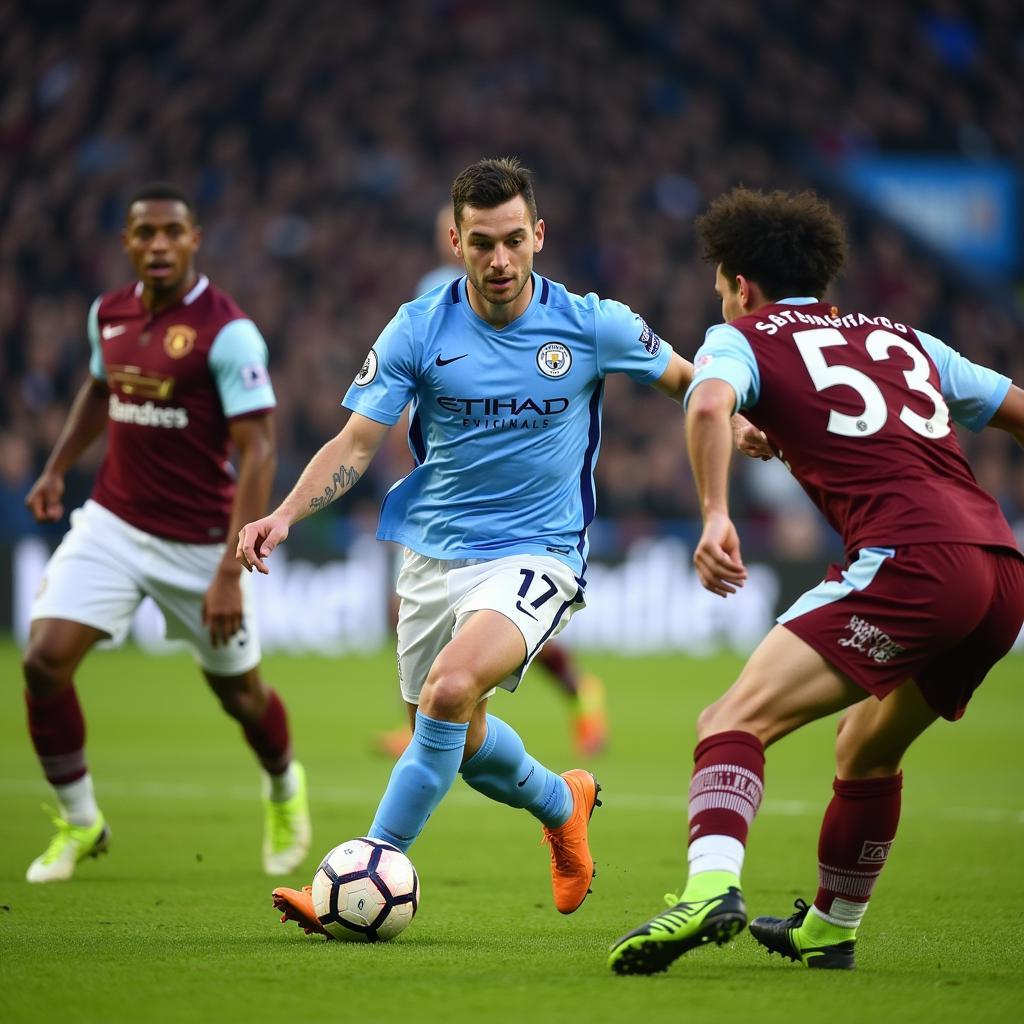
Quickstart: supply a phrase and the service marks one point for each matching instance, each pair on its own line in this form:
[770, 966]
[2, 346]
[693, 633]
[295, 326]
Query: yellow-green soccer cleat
[789, 937]
[287, 831]
[70, 844]
[653, 946]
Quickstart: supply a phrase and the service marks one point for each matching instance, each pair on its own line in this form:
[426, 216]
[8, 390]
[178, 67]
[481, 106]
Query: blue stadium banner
[967, 210]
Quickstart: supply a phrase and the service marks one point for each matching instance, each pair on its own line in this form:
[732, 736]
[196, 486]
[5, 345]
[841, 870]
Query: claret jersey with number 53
[861, 410]
[505, 425]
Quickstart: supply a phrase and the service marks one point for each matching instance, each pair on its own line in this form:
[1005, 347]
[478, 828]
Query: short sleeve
[387, 381]
[238, 361]
[625, 344]
[973, 393]
[727, 355]
[92, 325]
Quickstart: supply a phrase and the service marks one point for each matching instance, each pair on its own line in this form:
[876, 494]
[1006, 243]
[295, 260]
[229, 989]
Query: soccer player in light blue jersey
[584, 691]
[505, 371]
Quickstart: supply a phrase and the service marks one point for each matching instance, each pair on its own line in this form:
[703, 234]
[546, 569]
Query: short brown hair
[788, 243]
[491, 182]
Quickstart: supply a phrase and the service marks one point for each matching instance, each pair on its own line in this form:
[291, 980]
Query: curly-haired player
[932, 595]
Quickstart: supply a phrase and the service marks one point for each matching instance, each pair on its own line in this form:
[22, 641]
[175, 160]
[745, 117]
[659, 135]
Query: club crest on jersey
[369, 370]
[179, 340]
[554, 359]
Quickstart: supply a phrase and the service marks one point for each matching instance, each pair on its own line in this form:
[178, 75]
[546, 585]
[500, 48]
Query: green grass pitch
[175, 924]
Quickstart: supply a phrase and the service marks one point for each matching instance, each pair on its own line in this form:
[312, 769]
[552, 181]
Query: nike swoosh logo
[519, 605]
[454, 359]
[112, 331]
[527, 779]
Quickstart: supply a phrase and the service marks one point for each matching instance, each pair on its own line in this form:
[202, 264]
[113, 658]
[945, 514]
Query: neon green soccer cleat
[654, 946]
[287, 830]
[71, 844]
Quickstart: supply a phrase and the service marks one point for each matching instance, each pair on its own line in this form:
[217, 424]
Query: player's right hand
[257, 540]
[717, 558]
[44, 499]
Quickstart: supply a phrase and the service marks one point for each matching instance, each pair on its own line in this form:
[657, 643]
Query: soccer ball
[365, 890]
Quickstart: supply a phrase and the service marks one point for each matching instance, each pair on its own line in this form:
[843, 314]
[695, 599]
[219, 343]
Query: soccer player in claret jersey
[859, 408]
[178, 375]
[505, 371]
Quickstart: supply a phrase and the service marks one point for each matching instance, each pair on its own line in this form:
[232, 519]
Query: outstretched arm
[678, 376]
[1010, 414]
[709, 439]
[333, 471]
[86, 421]
[748, 439]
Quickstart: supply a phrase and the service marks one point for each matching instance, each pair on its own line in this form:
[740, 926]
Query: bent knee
[243, 697]
[706, 722]
[866, 758]
[45, 670]
[450, 692]
[731, 713]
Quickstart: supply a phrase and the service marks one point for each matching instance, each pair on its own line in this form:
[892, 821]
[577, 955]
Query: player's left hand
[751, 441]
[717, 558]
[222, 605]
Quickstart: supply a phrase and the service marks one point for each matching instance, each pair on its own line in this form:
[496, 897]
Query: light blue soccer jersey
[505, 426]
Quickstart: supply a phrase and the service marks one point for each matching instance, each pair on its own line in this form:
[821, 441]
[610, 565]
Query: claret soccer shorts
[538, 594]
[104, 567]
[939, 614]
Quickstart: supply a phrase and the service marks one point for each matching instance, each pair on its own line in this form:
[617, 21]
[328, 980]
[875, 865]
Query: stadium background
[319, 146]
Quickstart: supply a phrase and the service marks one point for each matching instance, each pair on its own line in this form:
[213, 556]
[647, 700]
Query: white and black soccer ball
[365, 890]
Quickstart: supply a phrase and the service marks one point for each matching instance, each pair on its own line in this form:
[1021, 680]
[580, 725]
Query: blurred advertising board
[648, 601]
[967, 210]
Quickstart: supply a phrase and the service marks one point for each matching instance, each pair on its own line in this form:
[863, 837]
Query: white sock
[284, 786]
[716, 853]
[78, 802]
[842, 913]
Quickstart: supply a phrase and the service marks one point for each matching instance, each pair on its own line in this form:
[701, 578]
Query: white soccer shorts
[538, 594]
[104, 567]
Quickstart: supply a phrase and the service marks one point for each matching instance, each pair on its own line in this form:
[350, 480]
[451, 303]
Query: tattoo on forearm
[343, 480]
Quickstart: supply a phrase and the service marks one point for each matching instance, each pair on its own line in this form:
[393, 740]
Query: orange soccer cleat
[591, 718]
[297, 906]
[572, 867]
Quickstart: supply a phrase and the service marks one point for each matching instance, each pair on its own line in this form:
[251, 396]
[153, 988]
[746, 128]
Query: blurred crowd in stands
[319, 140]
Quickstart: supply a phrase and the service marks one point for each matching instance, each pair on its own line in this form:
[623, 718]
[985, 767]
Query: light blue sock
[419, 780]
[502, 770]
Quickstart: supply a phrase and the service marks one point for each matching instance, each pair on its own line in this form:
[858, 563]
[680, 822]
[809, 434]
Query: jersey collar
[190, 296]
[539, 288]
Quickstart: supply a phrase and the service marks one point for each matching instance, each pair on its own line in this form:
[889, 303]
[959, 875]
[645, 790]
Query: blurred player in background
[584, 690]
[178, 375]
[859, 408]
[505, 371]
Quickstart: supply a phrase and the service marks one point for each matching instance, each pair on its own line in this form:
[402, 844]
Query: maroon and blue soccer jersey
[175, 380]
[860, 409]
